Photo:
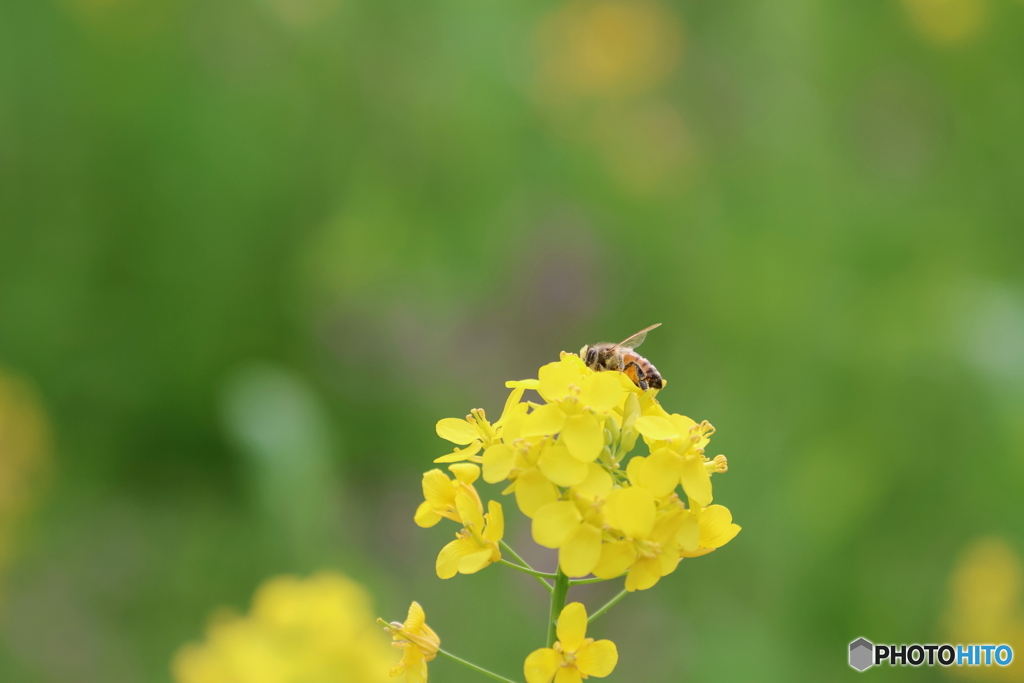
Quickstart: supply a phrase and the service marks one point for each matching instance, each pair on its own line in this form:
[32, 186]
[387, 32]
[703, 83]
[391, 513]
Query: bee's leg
[641, 379]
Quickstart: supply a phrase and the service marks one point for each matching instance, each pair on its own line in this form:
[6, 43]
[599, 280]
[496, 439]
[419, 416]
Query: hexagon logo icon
[861, 654]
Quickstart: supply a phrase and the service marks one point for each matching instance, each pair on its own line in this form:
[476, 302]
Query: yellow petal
[541, 665]
[451, 555]
[498, 462]
[666, 525]
[524, 383]
[466, 472]
[457, 431]
[644, 573]
[495, 522]
[581, 552]
[512, 423]
[696, 553]
[583, 435]
[425, 515]
[534, 491]
[416, 617]
[568, 674]
[598, 483]
[555, 523]
[616, 558]
[656, 428]
[438, 489]
[474, 562]
[572, 626]
[696, 480]
[544, 420]
[631, 511]
[668, 559]
[560, 467]
[601, 391]
[510, 404]
[682, 423]
[597, 659]
[459, 455]
[688, 536]
[555, 379]
[660, 472]
[470, 511]
[716, 527]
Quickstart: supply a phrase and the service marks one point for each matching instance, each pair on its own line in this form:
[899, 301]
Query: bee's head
[589, 355]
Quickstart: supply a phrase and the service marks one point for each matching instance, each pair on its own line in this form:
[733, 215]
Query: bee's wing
[637, 339]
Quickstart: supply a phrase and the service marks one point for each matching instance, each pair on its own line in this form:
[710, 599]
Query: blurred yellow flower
[573, 656]
[948, 22]
[315, 630]
[985, 605]
[418, 642]
[606, 48]
[24, 455]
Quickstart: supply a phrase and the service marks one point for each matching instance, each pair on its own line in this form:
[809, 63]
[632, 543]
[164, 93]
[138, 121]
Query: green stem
[474, 667]
[531, 572]
[508, 549]
[608, 606]
[583, 582]
[558, 596]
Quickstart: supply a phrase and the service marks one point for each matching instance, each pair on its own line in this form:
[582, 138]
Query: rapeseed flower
[476, 546]
[574, 527]
[440, 493]
[475, 432]
[573, 656]
[418, 642]
[648, 547]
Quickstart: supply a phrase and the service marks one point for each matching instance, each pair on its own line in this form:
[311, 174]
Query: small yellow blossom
[418, 642]
[575, 528]
[574, 656]
[649, 548]
[576, 399]
[475, 432]
[677, 456]
[476, 546]
[441, 493]
[715, 529]
[535, 466]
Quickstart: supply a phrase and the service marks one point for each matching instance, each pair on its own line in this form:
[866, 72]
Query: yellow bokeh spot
[985, 605]
[316, 629]
[948, 22]
[607, 48]
[24, 455]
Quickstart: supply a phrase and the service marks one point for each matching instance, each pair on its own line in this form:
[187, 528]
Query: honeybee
[622, 358]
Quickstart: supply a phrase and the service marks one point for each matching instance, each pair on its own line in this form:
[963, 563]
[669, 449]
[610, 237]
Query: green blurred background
[252, 250]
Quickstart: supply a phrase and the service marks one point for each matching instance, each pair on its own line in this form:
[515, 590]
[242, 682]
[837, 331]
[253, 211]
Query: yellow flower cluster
[315, 629]
[566, 462]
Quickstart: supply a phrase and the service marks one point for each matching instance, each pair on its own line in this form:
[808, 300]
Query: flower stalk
[474, 667]
[558, 596]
